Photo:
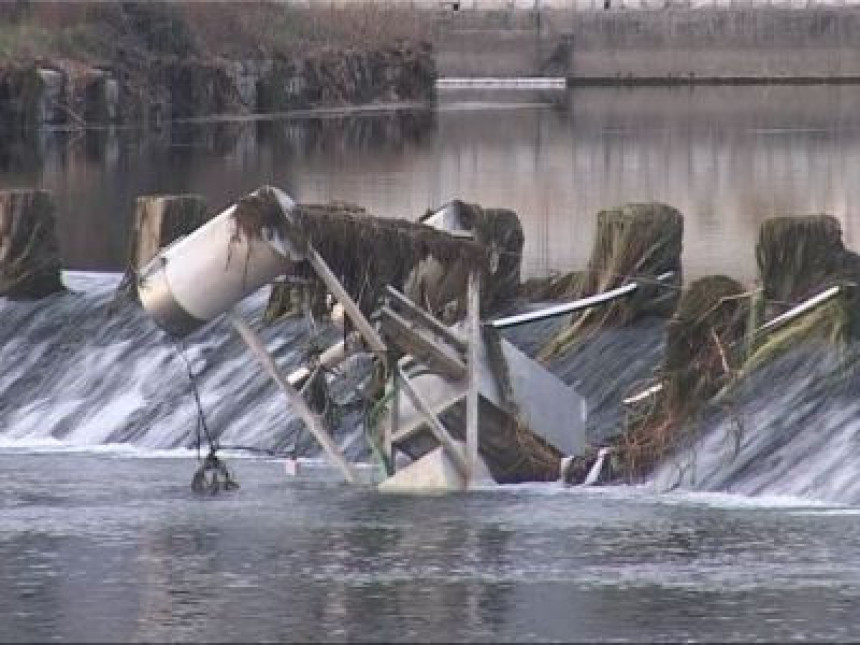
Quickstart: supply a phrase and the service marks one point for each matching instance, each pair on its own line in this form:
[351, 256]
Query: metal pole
[566, 308]
[474, 325]
[350, 308]
[393, 420]
[576, 305]
[800, 309]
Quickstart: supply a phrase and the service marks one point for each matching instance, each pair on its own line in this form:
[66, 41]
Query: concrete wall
[678, 45]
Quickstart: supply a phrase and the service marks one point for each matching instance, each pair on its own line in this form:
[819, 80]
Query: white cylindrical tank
[201, 276]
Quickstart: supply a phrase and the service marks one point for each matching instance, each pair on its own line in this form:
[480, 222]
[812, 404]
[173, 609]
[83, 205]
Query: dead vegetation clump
[704, 351]
[717, 337]
[801, 256]
[365, 253]
[633, 242]
[368, 253]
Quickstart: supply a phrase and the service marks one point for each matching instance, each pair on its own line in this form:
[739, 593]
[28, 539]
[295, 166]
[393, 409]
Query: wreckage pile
[713, 333]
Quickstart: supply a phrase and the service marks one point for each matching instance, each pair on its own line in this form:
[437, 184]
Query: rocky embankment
[72, 93]
[71, 64]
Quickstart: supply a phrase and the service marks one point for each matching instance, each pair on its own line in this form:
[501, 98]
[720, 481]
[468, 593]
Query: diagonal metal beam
[296, 400]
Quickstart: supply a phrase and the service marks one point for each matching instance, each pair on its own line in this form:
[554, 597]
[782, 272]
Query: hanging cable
[212, 475]
[201, 418]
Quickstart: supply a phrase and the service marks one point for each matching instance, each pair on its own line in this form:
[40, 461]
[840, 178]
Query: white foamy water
[77, 375]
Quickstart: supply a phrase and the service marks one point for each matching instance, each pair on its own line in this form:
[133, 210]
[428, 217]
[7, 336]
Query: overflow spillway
[85, 372]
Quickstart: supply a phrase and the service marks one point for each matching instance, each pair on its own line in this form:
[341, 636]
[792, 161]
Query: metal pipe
[794, 312]
[644, 394]
[576, 305]
[331, 357]
[202, 275]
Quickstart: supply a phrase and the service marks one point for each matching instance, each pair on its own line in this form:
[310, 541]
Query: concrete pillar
[161, 219]
[101, 98]
[29, 252]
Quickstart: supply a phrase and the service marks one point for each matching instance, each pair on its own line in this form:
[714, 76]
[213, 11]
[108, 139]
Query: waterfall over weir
[74, 373]
[76, 376]
[792, 429]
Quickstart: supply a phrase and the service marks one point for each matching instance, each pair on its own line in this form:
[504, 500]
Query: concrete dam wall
[673, 45]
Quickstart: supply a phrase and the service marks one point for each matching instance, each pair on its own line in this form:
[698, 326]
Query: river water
[113, 547]
[726, 157]
[101, 538]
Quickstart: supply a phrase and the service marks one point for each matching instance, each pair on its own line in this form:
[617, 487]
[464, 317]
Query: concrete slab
[433, 473]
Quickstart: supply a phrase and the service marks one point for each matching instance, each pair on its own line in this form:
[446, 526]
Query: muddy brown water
[727, 157]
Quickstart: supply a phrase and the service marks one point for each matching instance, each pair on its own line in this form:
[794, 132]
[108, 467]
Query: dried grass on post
[633, 241]
[704, 350]
[366, 253]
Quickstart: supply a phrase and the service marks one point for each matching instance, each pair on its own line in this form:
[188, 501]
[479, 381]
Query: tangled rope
[212, 474]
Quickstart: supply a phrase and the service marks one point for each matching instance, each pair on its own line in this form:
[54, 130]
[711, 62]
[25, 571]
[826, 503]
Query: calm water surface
[726, 157]
[100, 547]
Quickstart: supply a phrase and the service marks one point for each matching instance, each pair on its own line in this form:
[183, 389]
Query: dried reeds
[633, 241]
[704, 350]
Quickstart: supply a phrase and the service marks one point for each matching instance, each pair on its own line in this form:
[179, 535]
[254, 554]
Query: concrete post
[161, 219]
[29, 251]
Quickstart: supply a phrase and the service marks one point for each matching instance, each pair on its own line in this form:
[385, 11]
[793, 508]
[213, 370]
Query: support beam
[473, 312]
[349, 307]
[417, 342]
[393, 421]
[439, 431]
[297, 402]
[414, 312]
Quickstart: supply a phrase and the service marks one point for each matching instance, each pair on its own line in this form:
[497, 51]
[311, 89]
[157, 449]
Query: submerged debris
[213, 476]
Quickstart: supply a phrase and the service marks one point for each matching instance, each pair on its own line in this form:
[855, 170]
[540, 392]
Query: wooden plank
[416, 342]
[473, 314]
[414, 312]
[296, 400]
[351, 309]
[439, 431]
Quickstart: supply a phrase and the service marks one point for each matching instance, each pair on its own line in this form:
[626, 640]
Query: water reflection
[727, 157]
[125, 552]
